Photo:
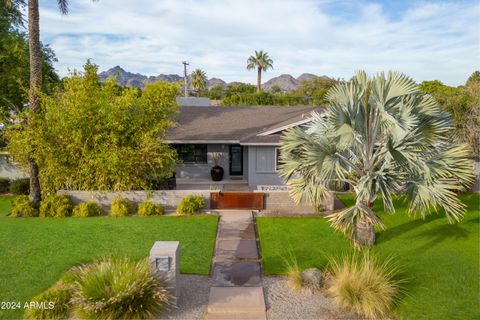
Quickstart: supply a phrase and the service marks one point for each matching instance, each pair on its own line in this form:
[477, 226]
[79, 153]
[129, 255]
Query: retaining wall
[168, 198]
[281, 202]
[275, 201]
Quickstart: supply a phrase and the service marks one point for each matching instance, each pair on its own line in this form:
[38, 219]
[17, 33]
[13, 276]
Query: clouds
[427, 40]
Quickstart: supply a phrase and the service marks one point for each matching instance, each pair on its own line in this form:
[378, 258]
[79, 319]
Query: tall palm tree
[383, 137]
[36, 80]
[261, 62]
[198, 79]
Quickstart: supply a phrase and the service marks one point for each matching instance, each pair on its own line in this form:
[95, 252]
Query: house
[247, 138]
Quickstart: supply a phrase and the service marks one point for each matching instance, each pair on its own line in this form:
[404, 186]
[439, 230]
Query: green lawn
[34, 252]
[442, 261]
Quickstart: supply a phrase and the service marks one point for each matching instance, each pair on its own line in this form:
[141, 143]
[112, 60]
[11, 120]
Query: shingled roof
[243, 125]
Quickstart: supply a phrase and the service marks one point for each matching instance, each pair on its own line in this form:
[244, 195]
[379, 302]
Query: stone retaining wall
[168, 198]
[281, 202]
[275, 201]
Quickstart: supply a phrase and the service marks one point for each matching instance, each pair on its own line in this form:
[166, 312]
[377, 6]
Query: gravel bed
[193, 302]
[283, 303]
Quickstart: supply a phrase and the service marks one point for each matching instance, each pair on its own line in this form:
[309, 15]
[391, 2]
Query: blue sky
[425, 39]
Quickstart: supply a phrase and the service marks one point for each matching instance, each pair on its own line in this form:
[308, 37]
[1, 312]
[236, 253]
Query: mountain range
[285, 82]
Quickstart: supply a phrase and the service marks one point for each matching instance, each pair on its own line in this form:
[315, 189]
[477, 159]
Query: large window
[192, 153]
[278, 161]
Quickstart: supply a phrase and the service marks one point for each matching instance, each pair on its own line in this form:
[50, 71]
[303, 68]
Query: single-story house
[247, 138]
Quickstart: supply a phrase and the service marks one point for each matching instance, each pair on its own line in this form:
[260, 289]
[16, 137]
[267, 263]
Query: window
[192, 153]
[277, 159]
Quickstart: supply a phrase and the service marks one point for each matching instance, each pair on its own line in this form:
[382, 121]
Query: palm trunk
[35, 87]
[259, 79]
[364, 231]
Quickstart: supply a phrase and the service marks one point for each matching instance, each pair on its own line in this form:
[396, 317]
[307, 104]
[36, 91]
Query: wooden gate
[237, 200]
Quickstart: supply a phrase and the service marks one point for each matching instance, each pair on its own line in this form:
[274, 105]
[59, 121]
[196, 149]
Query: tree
[14, 63]
[198, 79]
[315, 89]
[97, 137]
[261, 62]
[463, 102]
[36, 58]
[382, 136]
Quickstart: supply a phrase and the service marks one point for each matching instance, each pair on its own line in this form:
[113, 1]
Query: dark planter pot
[217, 173]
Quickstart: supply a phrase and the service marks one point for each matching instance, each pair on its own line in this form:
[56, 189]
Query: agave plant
[382, 137]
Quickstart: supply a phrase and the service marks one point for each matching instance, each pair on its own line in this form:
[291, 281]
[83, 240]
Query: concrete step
[237, 273]
[236, 300]
[235, 231]
[237, 316]
[236, 249]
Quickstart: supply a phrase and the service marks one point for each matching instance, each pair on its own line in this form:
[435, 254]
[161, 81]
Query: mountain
[138, 80]
[285, 81]
[306, 77]
[214, 82]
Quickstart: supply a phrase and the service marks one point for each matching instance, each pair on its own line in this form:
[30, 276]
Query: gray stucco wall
[10, 170]
[202, 171]
[261, 166]
[168, 198]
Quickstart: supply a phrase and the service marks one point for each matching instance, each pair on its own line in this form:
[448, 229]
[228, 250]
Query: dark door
[236, 160]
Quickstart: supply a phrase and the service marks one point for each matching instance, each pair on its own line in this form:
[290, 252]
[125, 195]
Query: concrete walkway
[237, 293]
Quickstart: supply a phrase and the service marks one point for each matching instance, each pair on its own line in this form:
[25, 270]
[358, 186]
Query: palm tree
[261, 62]
[36, 81]
[198, 79]
[383, 137]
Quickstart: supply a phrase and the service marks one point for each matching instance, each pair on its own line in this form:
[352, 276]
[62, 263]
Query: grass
[35, 252]
[440, 260]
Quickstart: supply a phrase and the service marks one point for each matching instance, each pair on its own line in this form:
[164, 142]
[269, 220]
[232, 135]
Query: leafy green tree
[382, 136]
[97, 137]
[262, 62]
[14, 63]
[36, 76]
[217, 92]
[315, 89]
[463, 103]
[198, 79]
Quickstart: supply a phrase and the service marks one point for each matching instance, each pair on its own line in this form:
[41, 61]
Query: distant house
[246, 137]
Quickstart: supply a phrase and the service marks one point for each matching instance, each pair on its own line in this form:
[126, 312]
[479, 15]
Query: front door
[236, 160]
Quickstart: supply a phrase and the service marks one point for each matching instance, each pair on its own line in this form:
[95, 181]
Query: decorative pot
[217, 173]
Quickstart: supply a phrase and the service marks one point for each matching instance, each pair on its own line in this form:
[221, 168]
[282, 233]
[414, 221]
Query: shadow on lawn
[400, 229]
[440, 234]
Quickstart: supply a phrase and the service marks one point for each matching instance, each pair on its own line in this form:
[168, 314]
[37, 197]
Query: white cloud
[427, 40]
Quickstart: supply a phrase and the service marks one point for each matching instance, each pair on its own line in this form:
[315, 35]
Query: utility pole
[185, 64]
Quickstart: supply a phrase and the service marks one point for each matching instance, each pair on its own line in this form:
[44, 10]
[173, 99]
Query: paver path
[238, 293]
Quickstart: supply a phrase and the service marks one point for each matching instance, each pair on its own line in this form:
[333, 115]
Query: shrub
[20, 186]
[148, 208]
[364, 285]
[4, 185]
[120, 289]
[56, 206]
[23, 207]
[60, 294]
[87, 209]
[190, 204]
[294, 274]
[121, 207]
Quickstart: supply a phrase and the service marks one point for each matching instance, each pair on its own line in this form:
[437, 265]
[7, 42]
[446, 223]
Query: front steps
[236, 269]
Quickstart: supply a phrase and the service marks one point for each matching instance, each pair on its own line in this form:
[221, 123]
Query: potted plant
[217, 170]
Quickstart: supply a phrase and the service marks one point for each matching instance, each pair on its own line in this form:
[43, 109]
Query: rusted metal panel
[237, 200]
